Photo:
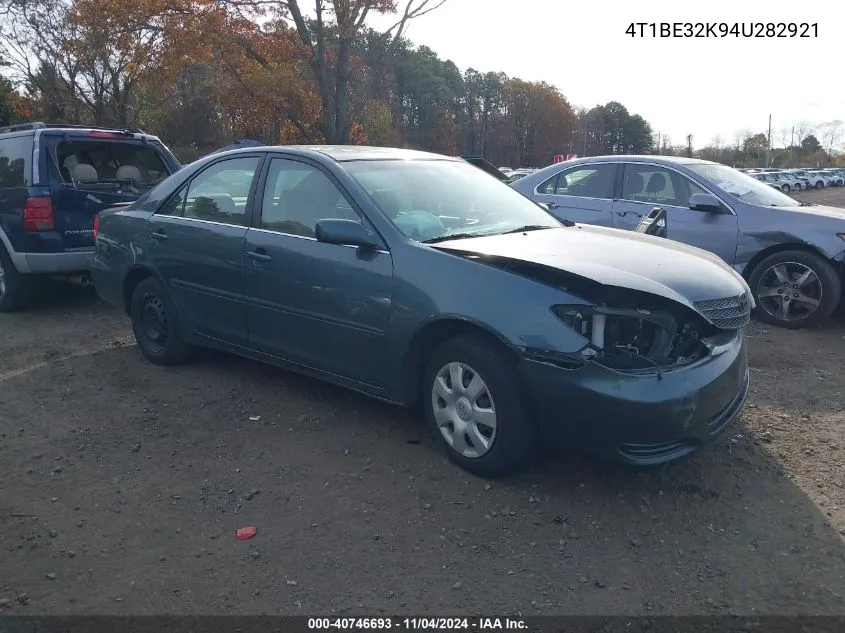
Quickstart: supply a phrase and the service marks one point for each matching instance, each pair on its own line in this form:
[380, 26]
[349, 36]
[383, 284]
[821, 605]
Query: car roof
[346, 153]
[643, 158]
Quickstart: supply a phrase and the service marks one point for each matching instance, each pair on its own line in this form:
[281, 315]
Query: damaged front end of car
[637, 333]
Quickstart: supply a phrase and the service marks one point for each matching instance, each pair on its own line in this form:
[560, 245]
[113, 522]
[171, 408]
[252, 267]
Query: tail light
[96, 226]
[38, 214]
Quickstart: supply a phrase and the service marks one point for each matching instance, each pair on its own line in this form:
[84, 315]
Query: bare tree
[716, 142]
[802, 130]
[830, 135]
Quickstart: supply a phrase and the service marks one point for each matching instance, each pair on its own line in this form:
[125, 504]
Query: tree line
[803, 145]
[203, 73]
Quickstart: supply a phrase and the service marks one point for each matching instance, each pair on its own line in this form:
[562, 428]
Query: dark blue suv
[54, 179]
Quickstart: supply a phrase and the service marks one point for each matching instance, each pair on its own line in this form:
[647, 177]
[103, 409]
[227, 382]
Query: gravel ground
[122, 485]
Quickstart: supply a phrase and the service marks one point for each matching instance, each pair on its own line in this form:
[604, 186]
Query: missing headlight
[637, 338]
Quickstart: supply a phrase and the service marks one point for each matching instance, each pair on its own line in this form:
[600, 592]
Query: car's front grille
[728, 313]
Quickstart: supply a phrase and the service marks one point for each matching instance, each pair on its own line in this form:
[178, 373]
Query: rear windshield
[110, 165]
[15, 161]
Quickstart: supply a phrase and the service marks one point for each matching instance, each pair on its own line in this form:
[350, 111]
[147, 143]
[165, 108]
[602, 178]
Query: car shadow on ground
[357, 510]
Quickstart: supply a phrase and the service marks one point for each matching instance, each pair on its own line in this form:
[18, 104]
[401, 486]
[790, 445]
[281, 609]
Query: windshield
[742, 186]
[434, 199]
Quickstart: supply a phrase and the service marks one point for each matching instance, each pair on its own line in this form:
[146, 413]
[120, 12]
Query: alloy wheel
[789, 291]
[464, 410]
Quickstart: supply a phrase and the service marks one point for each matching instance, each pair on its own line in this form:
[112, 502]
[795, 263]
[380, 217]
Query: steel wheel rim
[2, 281]
[789, 291]
[464, 410]
[154, 321]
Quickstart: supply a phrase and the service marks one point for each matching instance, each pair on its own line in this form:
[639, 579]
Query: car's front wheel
[795, 289]
[820, 185]
[154, 322]
[785, 189]
[476, 407]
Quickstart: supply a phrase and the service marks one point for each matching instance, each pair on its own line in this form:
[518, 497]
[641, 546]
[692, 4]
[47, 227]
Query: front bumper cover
[639, 419]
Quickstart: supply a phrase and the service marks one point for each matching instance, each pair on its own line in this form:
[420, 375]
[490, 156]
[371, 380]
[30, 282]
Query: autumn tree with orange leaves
[204, 73]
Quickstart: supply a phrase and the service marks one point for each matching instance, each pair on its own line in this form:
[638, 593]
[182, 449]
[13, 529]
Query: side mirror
[346, 233]
[548, 206]
[705, 202]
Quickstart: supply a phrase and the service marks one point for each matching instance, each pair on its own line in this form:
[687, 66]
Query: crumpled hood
[614, 257]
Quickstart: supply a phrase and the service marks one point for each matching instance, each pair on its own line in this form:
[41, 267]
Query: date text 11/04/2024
[723, 29]
[417, 624]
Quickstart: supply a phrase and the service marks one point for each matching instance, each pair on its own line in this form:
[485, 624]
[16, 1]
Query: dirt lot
[122, 484]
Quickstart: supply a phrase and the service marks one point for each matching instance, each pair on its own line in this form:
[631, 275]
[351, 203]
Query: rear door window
[219, 193]
[16, 161]
[106, 165]
[586, 181]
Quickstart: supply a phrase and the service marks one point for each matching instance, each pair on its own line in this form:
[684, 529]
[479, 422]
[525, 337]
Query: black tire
[515, 438]
[785, 189]
[820, 185]
[827, 288]
[154, 322]
[16, 289]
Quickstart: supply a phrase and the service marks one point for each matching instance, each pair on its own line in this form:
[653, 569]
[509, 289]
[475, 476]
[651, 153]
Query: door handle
[623, 214]
[259, 255]
[159, 234]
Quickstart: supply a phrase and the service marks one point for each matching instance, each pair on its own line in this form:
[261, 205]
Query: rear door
[91, 171]
[195, 240]
[583, 193]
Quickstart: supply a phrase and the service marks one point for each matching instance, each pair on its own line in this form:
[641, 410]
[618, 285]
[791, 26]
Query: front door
[646, 186]
[325, 306]
[195, 240]
[583, 193]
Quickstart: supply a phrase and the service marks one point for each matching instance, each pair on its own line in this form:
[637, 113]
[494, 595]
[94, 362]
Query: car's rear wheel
[16, 289]
[820, 185]
[785, 188]
[154, 322]
[476, 408]
[795, 289]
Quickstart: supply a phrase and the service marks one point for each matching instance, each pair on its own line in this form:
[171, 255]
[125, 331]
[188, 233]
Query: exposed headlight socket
[597, 336]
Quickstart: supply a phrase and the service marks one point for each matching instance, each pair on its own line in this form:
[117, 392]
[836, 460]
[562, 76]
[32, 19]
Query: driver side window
[657, 185]
[297, 196]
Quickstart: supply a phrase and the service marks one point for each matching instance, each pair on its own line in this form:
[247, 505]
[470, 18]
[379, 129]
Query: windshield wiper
[806, 204]
[531, 227]
[450, 236]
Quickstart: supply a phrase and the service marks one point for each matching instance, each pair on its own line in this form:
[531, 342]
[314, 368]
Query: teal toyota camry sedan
[419, 279]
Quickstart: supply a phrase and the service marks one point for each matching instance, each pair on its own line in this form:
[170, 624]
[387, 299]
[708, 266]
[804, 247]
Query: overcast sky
[702, 87]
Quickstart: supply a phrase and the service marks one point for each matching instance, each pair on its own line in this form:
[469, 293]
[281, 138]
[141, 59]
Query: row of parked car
[418, 279]
[515, 174]
[787, 180]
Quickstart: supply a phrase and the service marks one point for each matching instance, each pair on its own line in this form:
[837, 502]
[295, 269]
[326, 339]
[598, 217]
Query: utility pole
[769, 142]
[791, 144]
[689, 145]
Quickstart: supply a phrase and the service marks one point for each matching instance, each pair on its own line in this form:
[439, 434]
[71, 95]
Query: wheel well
[135, 276]
[430, 337]
[777, 248]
